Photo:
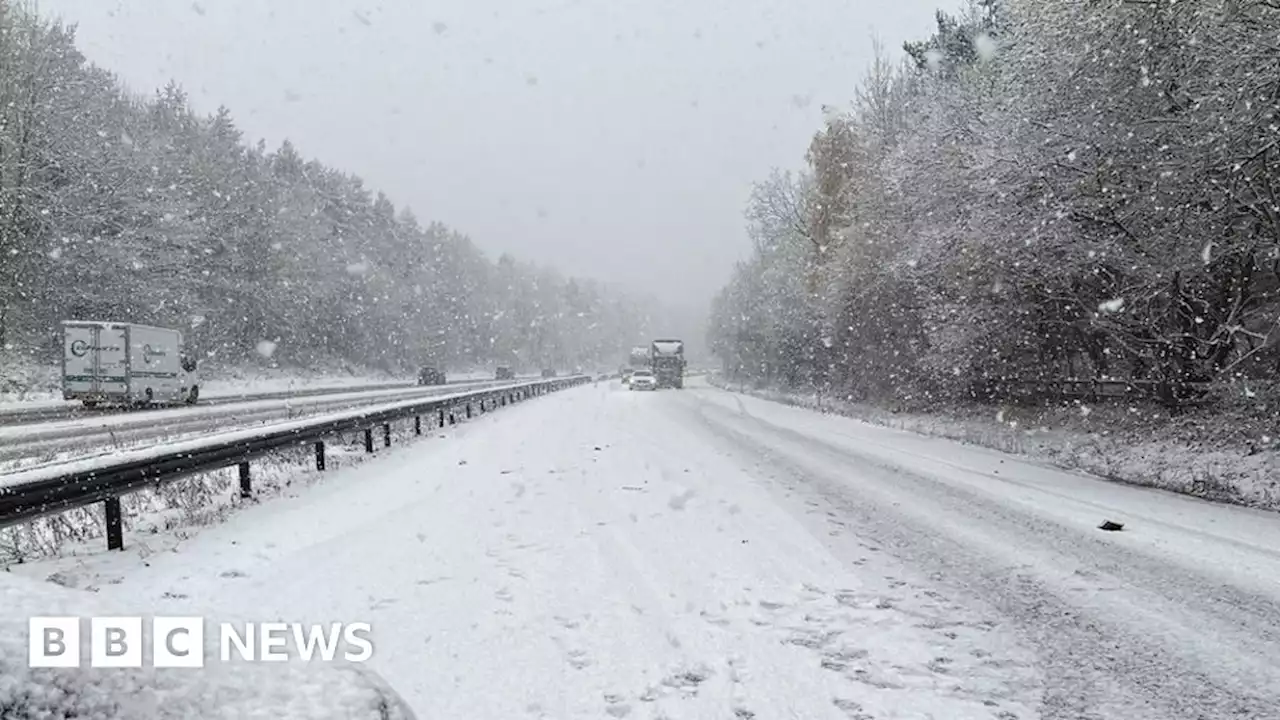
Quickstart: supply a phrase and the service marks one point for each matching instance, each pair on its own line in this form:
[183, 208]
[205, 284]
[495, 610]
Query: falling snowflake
[1206, 255]
[358, 268]
[1111, 306]
[934, 59]
[985, 46]
[55, 254]
[266, 348]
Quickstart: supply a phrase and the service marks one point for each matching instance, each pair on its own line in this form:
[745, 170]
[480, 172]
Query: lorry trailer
[125, 364]
[666, 359]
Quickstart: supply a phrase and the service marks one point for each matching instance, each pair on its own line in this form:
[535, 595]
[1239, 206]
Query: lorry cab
[126, 364]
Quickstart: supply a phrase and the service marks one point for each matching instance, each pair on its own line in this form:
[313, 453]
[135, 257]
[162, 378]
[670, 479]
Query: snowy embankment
[1223, 472]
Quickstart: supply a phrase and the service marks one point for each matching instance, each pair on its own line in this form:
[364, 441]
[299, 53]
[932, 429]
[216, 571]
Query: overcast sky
[616, 139]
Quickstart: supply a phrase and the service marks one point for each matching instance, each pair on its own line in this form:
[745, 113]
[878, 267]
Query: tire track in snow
[1108, 638]
[798, 614]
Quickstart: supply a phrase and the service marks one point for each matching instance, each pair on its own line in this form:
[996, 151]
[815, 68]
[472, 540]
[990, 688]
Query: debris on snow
[1110, 526]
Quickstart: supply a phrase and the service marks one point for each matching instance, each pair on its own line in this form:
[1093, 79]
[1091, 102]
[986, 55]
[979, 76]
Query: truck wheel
[194, 395]
[91, 404]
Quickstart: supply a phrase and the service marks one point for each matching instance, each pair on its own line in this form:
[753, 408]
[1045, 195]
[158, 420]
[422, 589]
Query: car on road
[504, 373]
[643, 380]
[431, 376]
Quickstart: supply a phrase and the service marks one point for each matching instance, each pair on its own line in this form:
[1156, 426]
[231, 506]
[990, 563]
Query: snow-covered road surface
[223, 392]
[69, 438]
[697, 554]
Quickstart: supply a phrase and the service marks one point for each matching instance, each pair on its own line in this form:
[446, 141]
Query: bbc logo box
[115, 642]
[179, 642]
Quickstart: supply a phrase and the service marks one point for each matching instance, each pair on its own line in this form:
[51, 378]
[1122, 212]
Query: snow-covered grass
[1212, 458]
[25, 381]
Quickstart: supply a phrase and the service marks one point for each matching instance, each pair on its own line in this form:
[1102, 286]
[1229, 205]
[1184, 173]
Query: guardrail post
[386, 434]
[246, 485]
[417, 424]
[453, 420]
[320, 455]
[115, 523]
[468, 411]
[368, 440]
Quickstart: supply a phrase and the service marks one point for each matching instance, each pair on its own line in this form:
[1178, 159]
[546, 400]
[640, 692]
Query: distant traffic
[661, 365]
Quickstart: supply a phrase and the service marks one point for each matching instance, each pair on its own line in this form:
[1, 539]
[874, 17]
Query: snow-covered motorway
[698, 554]
[115, 430]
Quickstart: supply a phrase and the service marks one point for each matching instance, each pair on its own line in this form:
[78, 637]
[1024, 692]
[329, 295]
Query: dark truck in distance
[666, 359]
[504, 373]
[431, 376]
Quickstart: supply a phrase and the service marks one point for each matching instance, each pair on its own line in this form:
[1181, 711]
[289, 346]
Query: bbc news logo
[179, 642]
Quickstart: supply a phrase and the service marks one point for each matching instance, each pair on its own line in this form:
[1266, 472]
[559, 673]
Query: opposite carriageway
[35, 492]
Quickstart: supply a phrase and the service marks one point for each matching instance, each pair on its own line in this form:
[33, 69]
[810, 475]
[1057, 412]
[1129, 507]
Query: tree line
[120, 207]
[1042, 189]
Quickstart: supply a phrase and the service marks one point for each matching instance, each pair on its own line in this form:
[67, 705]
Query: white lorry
[125, 364]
